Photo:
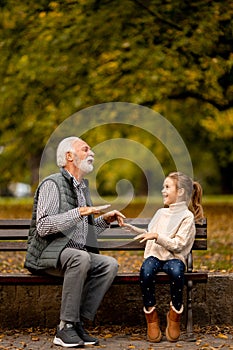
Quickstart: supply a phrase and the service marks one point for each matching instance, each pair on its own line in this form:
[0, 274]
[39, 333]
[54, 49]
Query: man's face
[84, 156]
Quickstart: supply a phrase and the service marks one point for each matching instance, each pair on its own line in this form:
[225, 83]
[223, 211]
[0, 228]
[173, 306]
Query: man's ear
[69, 156]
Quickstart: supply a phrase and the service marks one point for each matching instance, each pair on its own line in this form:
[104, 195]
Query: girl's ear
[180, 192]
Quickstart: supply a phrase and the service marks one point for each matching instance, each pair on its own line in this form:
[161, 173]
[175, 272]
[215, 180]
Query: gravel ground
[119, 338]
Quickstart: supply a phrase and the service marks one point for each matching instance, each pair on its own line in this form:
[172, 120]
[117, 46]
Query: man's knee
[107, 265]
[111, 264]
[78, 259]
[114, 265]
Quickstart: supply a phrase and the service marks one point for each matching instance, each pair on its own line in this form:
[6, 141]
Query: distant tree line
[59, 57]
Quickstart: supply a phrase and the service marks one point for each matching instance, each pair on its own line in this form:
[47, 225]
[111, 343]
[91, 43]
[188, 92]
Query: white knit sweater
[176, 232]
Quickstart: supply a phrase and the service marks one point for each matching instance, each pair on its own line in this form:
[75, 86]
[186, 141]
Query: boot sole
[167, 333]
[156, 340]
[169, 338]
[58, 341]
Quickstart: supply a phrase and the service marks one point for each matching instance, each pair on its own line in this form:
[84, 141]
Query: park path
[20, 340]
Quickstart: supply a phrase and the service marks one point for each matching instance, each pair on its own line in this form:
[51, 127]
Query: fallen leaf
[131, 347]
[108, 336]
[136, 338]
[35, 338]
[222, 336]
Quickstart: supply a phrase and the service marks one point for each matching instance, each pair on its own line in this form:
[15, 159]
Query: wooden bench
[13, 237]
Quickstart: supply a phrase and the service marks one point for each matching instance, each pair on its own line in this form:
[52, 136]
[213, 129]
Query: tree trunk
[226, 178]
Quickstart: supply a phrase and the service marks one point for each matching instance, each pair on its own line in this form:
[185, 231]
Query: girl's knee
[176, 269]
[150, 266]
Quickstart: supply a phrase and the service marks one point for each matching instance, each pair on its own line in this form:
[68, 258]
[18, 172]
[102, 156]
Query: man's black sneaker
[68, 337]
[88, 340]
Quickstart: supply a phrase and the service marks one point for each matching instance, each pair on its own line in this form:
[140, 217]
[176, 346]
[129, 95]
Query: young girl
[170, 237]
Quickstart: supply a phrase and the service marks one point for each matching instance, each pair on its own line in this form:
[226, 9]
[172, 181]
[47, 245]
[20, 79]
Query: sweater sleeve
[182, 239]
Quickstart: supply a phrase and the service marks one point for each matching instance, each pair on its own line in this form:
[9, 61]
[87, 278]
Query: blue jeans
[175, 269]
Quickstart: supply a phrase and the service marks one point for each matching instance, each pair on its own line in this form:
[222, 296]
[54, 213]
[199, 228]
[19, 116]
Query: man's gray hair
[66, 145]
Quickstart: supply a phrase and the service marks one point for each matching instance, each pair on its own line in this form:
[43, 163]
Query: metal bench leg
[189, 315]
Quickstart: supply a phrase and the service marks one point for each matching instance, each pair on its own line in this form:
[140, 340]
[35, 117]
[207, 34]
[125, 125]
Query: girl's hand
[132, 229]
[146, 236]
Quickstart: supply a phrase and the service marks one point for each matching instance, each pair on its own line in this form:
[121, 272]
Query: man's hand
[93, 210]
[108, 217]
[114, 215]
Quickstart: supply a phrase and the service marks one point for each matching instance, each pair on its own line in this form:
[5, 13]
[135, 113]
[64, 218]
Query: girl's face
[169, 192]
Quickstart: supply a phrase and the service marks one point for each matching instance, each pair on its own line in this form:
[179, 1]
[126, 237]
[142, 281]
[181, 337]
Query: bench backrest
[14, 233]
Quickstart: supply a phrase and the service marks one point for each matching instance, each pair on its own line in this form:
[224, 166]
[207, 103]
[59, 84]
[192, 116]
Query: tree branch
[158, 16]
[219, 106]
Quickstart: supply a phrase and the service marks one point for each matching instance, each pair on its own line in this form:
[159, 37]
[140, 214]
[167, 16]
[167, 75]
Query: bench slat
[22, 234]
[15, 223]
[14, 233]
[13, 246]
[121, 278]
[103, 245]
[20, 224]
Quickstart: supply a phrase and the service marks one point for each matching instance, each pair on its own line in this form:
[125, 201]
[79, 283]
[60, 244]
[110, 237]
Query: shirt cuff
[101, 222]
[75, 214]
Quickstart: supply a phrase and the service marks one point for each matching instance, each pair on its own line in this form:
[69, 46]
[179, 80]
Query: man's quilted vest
[44, 252]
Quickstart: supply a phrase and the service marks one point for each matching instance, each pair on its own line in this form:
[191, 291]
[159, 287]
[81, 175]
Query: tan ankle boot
[173, 323]
[153, 331]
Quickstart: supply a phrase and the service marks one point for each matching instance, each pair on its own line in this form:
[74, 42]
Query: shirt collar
[76, 183]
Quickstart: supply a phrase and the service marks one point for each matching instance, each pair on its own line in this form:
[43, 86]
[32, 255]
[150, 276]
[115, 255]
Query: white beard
[86, 165]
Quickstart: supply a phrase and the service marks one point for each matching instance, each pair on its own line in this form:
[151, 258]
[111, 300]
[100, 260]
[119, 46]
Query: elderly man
[62, 241]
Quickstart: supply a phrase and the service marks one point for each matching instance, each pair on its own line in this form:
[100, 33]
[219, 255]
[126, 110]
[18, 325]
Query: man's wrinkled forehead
[80, 144]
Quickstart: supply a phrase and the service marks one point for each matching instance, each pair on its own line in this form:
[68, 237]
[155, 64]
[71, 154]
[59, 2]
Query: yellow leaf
[42, 14]
[136, 338]
[222, 336]
[131, 347]
[108, 336]
[35, 338]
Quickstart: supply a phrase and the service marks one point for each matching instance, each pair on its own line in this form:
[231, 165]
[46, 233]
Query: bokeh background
[173, 56]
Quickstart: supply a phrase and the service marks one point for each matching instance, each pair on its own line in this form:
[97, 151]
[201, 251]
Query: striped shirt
[50, 221]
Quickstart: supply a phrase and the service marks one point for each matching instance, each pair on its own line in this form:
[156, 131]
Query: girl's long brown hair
[192, 193]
